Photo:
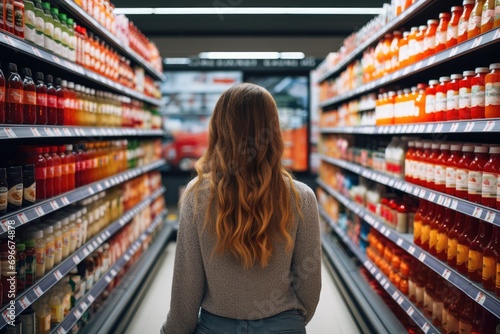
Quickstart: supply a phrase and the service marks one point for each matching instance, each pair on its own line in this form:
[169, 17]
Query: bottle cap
[429, 22]
[61, 148]
[12, 67]
[469, 2]
[20, 247]
[481, 149]
[442, 15]
[455, 8]
[482, 70]
[28, 170]
[46, 5]
[433, 82]
[53, 149]
[411, 143]
[15, 172]
[38, 149]
[444, 147]
[418, 144]
[468, 73]
[456, 77]
[494, 66]
[27, 72]
[3, 173]
[50, 79]
[39, 76]
[46, 228]
[56, 224]
[414, 29]
[406, 90]
[69, 147]
[54, 11]
[422, 28]
[58, 81]
[468, 148]
[427, 145]
[444, 79]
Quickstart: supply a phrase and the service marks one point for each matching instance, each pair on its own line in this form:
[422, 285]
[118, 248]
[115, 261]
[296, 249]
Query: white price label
[453, 51]
[415, 192]
[387, 233]
[38, 291]
[36, 52]
[454, 204]
[446, 274]
[95, 244]
[422, 257]
[392, 130]
[432, 196]
[10, 133]
[411, 250]
[400, 300]
[35, 132]
[417, 66]
[373, 270]
[57, 131]
[490, 216]
[377, 224]
[368, 264]
[469, 127]
[410, 128]
[407, 70]
[99, 239]
[106, 184]
[107, 278]
[383, 229]
[489, 126]
[399, 242]
[497, 34]
[126, 257]
[477, 212]
[386, 286]
[84, 306]
[24, 302]
[395, 295]
[10, 41]
[410, 311]
[99, 187]
[409, 188]
[108, 234]
[480, 298]
[398, 129]
[426, 327]
[447, 202]
[383, 281]
[77, 314]
[61, 330]
[39, 211]
[429, 128]
[422, 193]
[431, 60]
[454, 127]
[91, 191]
[113, 272]
[439, 128]
[477, 41]
[65, 200]
[48, 132]
[67, 132]
[22, 218]
[440, 200]
[91, 298]
[76, 259]
[54, 205]
[58, 275]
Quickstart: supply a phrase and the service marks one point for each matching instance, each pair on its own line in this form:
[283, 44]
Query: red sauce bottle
[464, 95]
[430, 38]
[60, 102]
[417, 161]
[71, 156]
[440, 168]
[418, 222]
[475, 179]
[15, 97]
[466, 315]
[490, 196]
[462, 185]
[29, 89]
[36, 158]
[426, 226]
[439, 113]
[491, 258]
[463, 24]
[464, 242]
[423, 163]
[452, 91]
[61, 150]
[49, 187]
[442, 235]
[483, 321]
[430, 101]
[477, 93]
[41, 100]
[476, 250]
[57, 170]
[451, 168]
[81, 165]
[442, 30]
[51, 102]
[2, 95]
[455, 232]
[431, 166]
[410, 162]
[452, 33]
[434, 227]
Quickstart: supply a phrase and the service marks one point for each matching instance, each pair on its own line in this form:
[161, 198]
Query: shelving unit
[405, 242]
[400, 298]
[31, 294]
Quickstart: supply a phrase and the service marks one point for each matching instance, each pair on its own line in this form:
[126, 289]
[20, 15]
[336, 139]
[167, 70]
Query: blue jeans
[288, 322]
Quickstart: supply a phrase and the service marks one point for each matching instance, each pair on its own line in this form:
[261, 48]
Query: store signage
[246, 64]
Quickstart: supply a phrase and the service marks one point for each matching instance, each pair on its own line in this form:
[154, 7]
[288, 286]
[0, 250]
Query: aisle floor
[332, 315]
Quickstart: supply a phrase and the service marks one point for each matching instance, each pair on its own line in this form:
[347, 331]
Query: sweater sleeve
[189, 275]
[306, 262]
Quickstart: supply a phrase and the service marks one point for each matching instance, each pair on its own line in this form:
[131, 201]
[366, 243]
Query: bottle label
[30, 193]
[60, 103]
[492, 94]
[452, 32]
[19, 19]
[48, 31]
[57, 34]
[439, 175]
[2, 94]
[16, 96]
[464, 328]
[429, 42]
[426, 229]
[475, 182]
[451, 100]
[489, 264]
[429, 172]
[477, 96]
[462, 179]
[57, 313]
[427, 302]
[58, 244]
[40, 257]
[489, 188]
[452, 323]
[412, 47]
[41, 100]
[51, 101]
[433, 238]
[403, 53]
[50, 172]
[440, 102]
[3, 198]
[464, 98]
[9, 15]
[488, 16]
[417, 229]
[462, 27]
[29, 22]
[40, 173]
[71, 168]
[15, 195]
[423, 171]
[462, 254]
[474, 21]
[452, 249]
[451, 177]
[441, 243]
[440, 37]
[57, 171]
[30, 98]
[430, 104]
[50, 249]
[419, 294]
[475, 262]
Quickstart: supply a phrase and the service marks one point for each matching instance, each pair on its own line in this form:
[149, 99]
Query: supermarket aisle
[332, 315]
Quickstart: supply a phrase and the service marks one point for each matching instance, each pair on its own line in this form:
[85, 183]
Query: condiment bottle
[15, 185]
[475, 19]
[73, 239]
[41, 100]
[430, 101]
[452, 33]
[477, 247]
[440, 168]
[2, 95]
[426, 226]
[71, 166]
[39, 23]
[57, 170]
[58, 240]
[419, 51]
[50, 246]
[56, 303]
[491, 257]
[48, 41]
[434, 229]
[29, 115]
[30, 261]
[9, 16]
[463, 164]
[430, 38]
[394, 50]
[4, 190]
[464, 95]
[477, 93]
[20, 266]
[29, 21]
[423, 163]
[465, 318]
[66, 234]
[431, 165]
[412, 45]
[49, 181]
[475, 179]
[492, 91]
[488, 15]
[60, 102]
[57, 31]
[15, 97]
[483, 321]
[439, 113]
[489, 192]
[51, 102]
[442, 235]
[442, 30]
[19, 19]
[29, 185]
[409, 162]
[452, 103]
[464, 240]
[403, 50]
[38, 236]
[463, 24]
[437, 302]
[42, 312]
[36, 157]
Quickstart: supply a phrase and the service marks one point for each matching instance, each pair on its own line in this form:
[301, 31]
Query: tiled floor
[332, 315]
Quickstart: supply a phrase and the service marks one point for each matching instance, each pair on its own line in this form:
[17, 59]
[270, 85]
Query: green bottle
[72, 39]
[64, 36]
[57, 31]
[48, 31]
[29, 21]
[39, 23]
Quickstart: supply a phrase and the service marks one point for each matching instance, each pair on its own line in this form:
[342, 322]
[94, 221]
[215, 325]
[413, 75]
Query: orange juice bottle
[452, 33]
[463, 23]
[378, 110]
[386, 53]
[419, 52]
[394, 50]
[492, 92]
[430, 38]
[391, 96]
[403, 50]
[412, 45]
[442, 31]
[398, 108]
[475, 19]
[430, 100]
[420, 104]
[412, 110]
[378, 60]
[406, 104]
[488, 17]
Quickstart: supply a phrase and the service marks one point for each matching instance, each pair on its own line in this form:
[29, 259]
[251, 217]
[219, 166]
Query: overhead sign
[246, 64]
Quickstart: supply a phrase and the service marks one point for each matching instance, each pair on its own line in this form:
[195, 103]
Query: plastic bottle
[64, 36]
[478, 93]
[29, 21]
[15, 185]
[41, 100]
[72, 39]
[9, 15]
[464, 241]
[56, 304]
[2, 96]
[475, 178]
[71, 166]
[19, 19]
[49, 181]
[476, 250]
[489, 193]
[29, 185]
[20, 266]
[60, 102]
[66, 234]
[409, 162]
[464, 95]
[474, 28]
[57, 31]
[419, 52]
[439, 113]
[4, 190]
[73, 239]
[29, 98]
[423, 163]
[42, 313]
[430, 38]
[39, 23]
[412, 45]
[403, 50]
[51, 101]
[50, 246]
[434, 229]
[440, 168]
[48, 32]
[394, 50]
[455, 232]
[492, 91]
[463, 24]
[30, 261]
[430, 101]
[442, 234]
[488, 15]
[426, 226]
[37, 235]
[452, 97]
[462, 186]
[452, 33]
[58, 240]
[431, 165]
[15, 97]
[491, 256]
[442, 31]
[57, 169]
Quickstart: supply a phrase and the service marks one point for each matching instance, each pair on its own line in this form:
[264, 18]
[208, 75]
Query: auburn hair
[250, 188]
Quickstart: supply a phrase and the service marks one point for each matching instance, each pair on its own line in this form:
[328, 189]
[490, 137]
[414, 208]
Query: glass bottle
[474, 28]
[42, 312]
[488, 16]
[463, 24]
[58, 241]
[29, 98]
[442, 31]
[477, 93]
[41, 100]
[489, 192]
[475, 178]
[426, 226]
[476, 250]
[491, 257]
[464, 242]
[66, 235]
[430, 38]
[50, 246]
[57, 31]
[452, 33]
[15, 97]
[492, 91]
[462, 171]
[51, 101]
[430, 101]
[452, 103]
[465, 320]
[71, 166]
[60, 102]
[434, 228]
[39, 23]
[57, 169]
[61, 152]
[442, 235]
[29, 185]
[464, 95]
[455, 232]
[49, 181]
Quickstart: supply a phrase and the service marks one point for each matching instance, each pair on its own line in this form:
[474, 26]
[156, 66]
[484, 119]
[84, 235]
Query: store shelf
[384, 281]
[27, 297]
[84, 18]
[469, 126]
[20, 45]
[468, 208]
[461, 49]
[50, 131]
[87, 300]
[408, 14]
[43, 208]
[405, 242]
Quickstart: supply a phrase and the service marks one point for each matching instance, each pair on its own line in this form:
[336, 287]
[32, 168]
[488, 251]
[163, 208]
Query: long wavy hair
[249, 186]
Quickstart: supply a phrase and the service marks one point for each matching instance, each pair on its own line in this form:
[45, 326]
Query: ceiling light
[251, 55]
[250, 11]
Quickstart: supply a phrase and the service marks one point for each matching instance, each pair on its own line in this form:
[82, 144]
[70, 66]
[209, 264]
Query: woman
[248, 249]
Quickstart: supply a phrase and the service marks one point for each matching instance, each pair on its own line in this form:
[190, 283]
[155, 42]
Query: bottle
[488, 15]
[483, 321]
[434, 227]
[64, 36]
[20, 266]
[464, 95]
[56, 304]
[429, 293]
[426, 226]
[403, 50]
[474, 28]
[72, 39]
[73, 236]
[462, 186]
[61, 152]
[489, 193]
[49, 181]
[412, 45]
[37, 235]
[420, 115]
[455, 232]
[71, 156]
[492, 91]
[437, 302]
[475, 178]
[36, 158]
[57, 170]
[454, 311]
[463, 24]
[58, 241]
[452, 33]
[431, 165]
[9, 16]
[464, 241]
[394, 50]
[465, 319]
[39, 22]
[439, 113]
[30, 262]
[60, 102]
[442, 30]
[42, 313]
[452, 90]
[419, 52]
[29, 185]
[51, 101]
[491, 256]
[41, 100]
[430, 101]
[57, 31]
[29, 21]
[15, 185]
[2, 95]
[440, 168]
[442, 234]
[4, 191]
[48, 30]
[28, 320]
[410, 162]
[430, 38]
[19, 19]
[66, 291]
[477, 93]
[50, 245]
[29, 98]
[476, 250]
[66, 234]
[15, 97]
[89, 273]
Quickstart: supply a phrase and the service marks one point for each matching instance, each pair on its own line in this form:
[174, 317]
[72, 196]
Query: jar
[430, 38]
[430, 101]
[475, 19]
[29, 185]
[4, 191]
[452, 33]
[15, 185]
[477, 93]
[442, 30]
[439, 113]
[492, 92]
[452, 90]
[463, 24]
[464, 95]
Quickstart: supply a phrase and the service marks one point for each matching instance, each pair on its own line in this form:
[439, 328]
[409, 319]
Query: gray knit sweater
[220, 284]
